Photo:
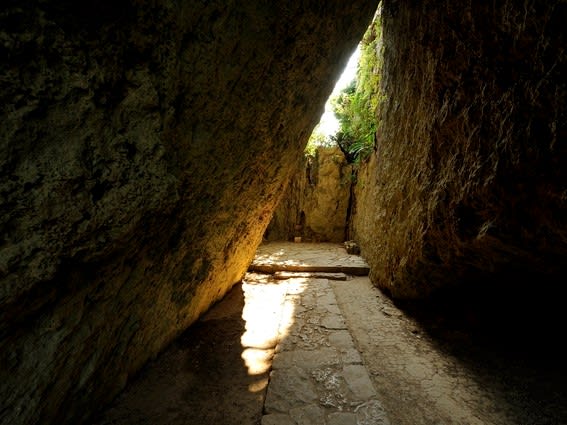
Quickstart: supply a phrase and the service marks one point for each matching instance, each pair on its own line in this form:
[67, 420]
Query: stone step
[282, 275]
[276, 267]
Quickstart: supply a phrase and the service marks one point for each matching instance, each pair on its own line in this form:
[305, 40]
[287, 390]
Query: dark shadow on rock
[508, 330]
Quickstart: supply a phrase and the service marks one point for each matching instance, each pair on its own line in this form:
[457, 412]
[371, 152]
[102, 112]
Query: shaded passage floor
[317, 348]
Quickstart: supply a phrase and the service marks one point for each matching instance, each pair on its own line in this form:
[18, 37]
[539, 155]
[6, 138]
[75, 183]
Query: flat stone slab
[272, 257]
[309, 275]
[293, 387]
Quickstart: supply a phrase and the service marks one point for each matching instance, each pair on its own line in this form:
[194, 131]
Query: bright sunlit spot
[268, 315]
[329, 124]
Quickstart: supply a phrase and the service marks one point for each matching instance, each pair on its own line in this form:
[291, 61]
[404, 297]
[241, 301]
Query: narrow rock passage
[327, 348]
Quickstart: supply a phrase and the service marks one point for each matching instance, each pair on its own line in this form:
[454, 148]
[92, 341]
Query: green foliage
[315, 140]
[356, 106]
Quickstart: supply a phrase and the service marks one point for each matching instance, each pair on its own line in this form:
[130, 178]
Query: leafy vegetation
[356, 105]
[317, 139]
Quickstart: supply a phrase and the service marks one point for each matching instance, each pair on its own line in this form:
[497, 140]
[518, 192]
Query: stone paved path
[318, 376]
[306, 348]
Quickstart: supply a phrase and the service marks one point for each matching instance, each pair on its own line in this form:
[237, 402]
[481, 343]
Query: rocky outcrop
[143, 148]
[316, 202]
[467, 188]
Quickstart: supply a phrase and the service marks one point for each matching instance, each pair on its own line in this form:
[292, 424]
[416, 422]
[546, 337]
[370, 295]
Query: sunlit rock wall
[468, 185]
[143, 148]
[316, 202]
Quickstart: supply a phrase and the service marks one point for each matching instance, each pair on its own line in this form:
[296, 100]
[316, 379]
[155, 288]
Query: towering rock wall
[469, 180]
[143, 148]
[316, 202]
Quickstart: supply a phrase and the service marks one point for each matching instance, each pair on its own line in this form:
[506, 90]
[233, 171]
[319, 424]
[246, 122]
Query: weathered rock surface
[143, 148]
[467, 186]
[315, 204]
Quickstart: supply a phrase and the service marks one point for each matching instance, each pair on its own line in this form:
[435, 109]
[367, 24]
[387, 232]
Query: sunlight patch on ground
[268, 316]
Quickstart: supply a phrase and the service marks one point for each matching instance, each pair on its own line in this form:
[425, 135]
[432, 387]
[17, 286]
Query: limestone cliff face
[143, 148]
[469, 180]
[316, 201]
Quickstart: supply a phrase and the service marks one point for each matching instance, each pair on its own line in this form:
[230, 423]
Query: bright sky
[329, 124]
